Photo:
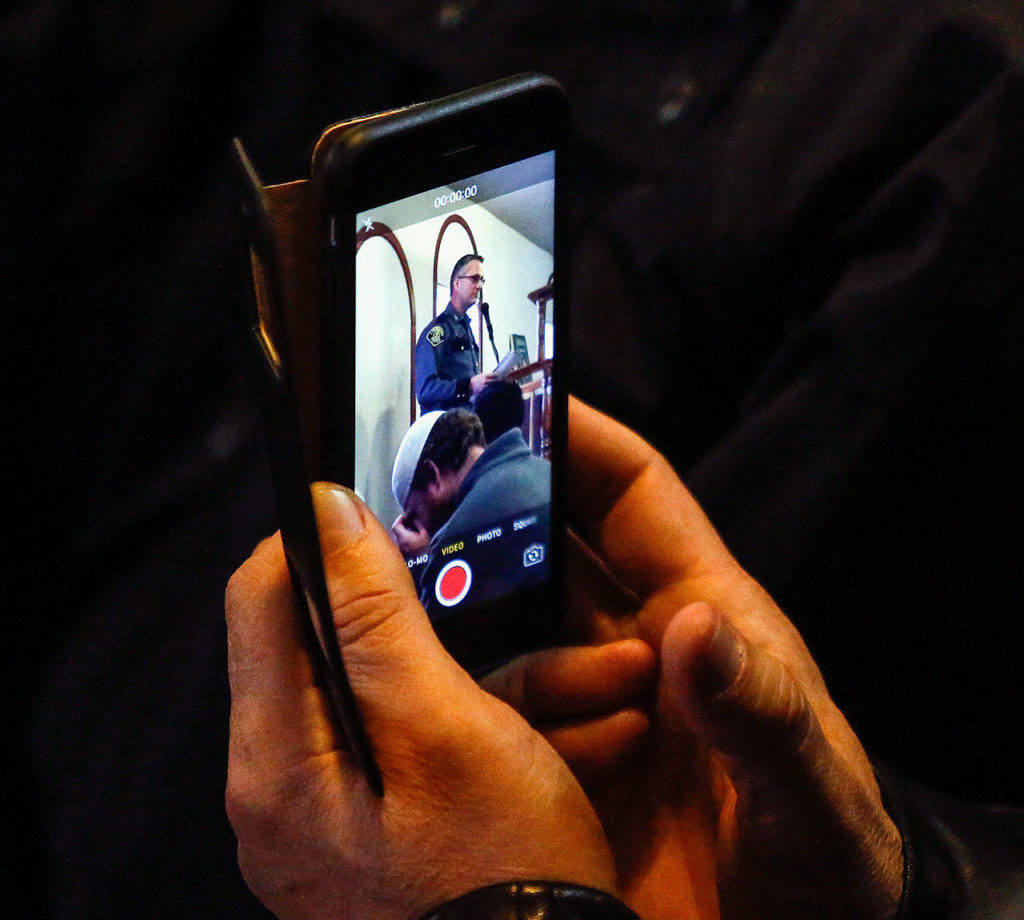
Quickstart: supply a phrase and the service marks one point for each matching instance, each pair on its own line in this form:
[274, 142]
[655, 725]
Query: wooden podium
[537, 393]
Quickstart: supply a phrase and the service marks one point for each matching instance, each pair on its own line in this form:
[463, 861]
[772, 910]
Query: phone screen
[454, 362]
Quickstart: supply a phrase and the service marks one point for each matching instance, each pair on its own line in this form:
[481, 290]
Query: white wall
[382, 372]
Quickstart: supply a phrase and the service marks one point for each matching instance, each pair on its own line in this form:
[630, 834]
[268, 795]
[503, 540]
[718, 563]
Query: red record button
[453, 583]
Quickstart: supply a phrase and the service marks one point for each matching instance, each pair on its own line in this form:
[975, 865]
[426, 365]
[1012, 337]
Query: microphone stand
[485, 312]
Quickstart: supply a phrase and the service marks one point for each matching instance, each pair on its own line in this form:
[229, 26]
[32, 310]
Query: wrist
[536, 900]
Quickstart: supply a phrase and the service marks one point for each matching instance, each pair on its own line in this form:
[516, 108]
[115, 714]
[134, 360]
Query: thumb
[740, 699]
[391, 653]
[746, 707]
[805, 826]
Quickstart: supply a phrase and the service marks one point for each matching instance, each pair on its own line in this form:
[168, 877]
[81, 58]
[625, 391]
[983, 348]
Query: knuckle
[366, 611]
[261, 804]
[509, 684]
[251, 805]
[263, 572]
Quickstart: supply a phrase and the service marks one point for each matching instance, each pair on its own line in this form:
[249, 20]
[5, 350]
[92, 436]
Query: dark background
[798, 257]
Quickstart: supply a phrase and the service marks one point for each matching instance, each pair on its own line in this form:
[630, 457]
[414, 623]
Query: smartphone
[442, 354]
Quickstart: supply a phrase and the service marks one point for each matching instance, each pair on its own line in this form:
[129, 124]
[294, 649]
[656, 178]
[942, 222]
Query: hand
[410, 536]
[473, 796]
[478, 382]
[750, 784]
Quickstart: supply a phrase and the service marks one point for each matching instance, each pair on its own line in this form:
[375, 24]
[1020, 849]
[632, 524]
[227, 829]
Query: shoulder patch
[436, 336]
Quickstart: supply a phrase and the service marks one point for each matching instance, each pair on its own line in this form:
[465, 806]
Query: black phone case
[291, 482]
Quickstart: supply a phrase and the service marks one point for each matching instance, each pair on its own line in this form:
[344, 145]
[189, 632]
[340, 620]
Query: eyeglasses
[476, 279]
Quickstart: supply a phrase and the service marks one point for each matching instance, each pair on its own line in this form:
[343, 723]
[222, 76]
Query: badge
[436, 336]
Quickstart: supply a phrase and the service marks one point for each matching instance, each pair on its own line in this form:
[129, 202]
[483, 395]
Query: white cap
[408, 457]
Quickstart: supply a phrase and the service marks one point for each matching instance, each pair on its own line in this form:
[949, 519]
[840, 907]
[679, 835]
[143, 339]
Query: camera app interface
[454, 347]
[455, 341]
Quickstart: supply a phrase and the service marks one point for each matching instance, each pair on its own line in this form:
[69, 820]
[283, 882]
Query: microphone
[485, 312]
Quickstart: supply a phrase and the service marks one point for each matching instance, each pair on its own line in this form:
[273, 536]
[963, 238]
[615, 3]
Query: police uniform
[447, 357]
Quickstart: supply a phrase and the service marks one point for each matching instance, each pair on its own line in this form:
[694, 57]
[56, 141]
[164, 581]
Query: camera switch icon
[533, 554]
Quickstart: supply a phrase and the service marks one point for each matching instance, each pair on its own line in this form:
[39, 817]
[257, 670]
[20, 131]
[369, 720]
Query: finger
[402, 536]
[598, 747]
[632, 509]
[572, 684]
[591, 704]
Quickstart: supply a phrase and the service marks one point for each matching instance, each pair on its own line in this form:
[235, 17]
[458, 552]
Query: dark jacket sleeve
[962, 861]
[870, 478]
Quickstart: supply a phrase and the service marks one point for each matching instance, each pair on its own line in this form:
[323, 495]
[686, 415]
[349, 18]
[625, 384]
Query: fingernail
[338, 514]
[722, 662]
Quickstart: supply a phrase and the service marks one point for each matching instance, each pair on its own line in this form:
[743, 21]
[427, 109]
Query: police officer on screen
[447, 357]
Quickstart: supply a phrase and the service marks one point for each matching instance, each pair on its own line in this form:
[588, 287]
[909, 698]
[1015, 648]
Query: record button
[453, 582]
